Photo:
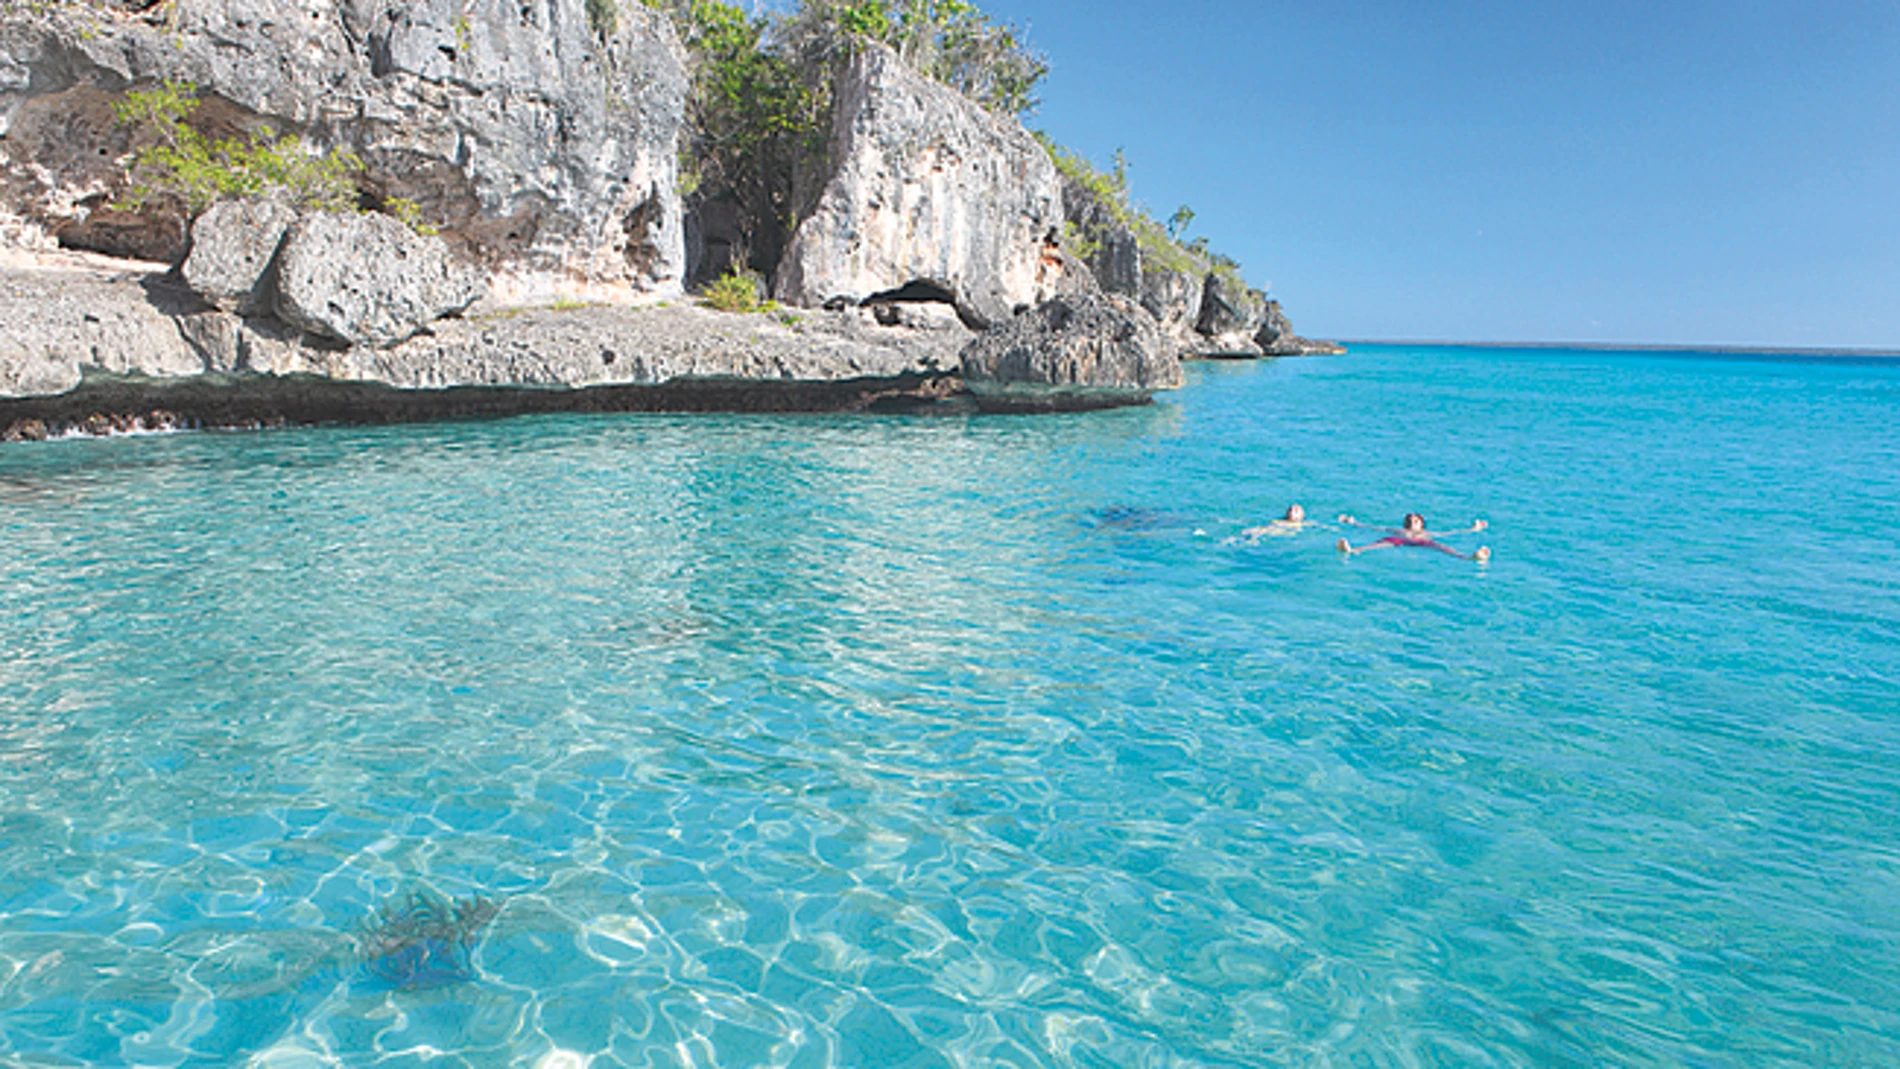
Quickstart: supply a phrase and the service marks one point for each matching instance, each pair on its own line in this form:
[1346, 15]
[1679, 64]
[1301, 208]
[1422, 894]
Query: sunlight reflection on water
[815, 741]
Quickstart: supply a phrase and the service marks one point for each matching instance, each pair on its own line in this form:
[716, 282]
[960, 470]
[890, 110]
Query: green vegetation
[181, 164]
[1079, 244]
[1162, 252]
[759, 114]
[753, 118]
[949, 40]
[409, 213]
[1179, 222]
[1109, 191]
[1161, 247]
[738, 290]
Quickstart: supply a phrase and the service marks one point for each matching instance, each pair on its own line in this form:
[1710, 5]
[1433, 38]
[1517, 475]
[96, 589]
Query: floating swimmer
[1414, 534]
[1292, 523]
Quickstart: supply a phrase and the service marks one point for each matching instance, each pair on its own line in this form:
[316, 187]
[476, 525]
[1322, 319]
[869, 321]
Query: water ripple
[836, 741]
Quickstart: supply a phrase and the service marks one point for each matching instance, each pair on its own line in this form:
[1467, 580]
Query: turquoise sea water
[968, 741]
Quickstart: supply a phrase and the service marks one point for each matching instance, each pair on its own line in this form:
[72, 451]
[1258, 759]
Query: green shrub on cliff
[949, 40]
[182, 164]
[409, 213]
[1160, 247]
[759, 111]
[746, 96]
[1079, 243]
[1109, 191]
[738, 290]
[753, 118]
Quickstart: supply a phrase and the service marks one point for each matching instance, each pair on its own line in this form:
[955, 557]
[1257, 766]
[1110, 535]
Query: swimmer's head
[1295, 514]
[1414, 522]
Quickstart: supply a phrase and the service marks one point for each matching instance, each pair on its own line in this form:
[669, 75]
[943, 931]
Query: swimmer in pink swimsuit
[1415, 535]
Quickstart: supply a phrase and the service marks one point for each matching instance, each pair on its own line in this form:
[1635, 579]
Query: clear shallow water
[852, 741]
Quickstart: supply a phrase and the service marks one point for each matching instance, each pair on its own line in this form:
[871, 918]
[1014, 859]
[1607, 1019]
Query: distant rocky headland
[233, 212]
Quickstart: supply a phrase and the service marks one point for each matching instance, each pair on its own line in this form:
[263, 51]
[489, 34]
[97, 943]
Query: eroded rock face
[928, 188]
[1226, 308]
[366, 279]
[1174, 299]
[1075, 351]
[1117, 262]
[233, 248]
[544, 151]
[1229, 316]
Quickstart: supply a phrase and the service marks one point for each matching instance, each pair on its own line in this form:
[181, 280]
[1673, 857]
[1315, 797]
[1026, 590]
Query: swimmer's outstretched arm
[1476, 526]
[1351, 522]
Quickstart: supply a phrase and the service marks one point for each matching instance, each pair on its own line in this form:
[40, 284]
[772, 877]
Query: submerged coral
[423, 939]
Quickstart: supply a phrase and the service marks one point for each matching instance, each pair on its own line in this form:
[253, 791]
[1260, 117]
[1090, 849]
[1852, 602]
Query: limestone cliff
[541, 137]
[928, 189]
[544, 148]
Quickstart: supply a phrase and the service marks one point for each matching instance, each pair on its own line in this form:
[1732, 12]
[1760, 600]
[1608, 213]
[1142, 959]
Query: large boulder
[543, 141]
[366, 279]
[928, 188]
[1075, 351]
[233, 248]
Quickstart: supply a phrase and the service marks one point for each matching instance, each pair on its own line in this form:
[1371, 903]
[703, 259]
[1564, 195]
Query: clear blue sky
[1668, 172]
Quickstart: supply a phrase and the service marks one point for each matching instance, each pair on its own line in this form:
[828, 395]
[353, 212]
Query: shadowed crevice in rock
[908, 304]
[918, 289]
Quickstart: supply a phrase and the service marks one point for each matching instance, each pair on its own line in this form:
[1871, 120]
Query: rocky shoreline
[485, 270]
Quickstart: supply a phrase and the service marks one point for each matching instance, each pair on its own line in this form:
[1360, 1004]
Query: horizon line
[1639, 347]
